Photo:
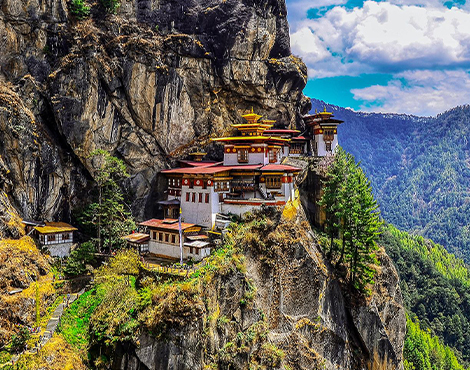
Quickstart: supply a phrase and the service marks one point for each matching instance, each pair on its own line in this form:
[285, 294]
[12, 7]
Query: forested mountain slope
[435, 287]
[419, 168]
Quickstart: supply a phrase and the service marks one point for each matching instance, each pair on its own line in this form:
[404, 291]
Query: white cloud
[382, 37]
[297, 9]
[425, 93]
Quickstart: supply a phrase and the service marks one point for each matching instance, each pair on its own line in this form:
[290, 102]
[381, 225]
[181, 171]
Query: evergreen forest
[435, 288]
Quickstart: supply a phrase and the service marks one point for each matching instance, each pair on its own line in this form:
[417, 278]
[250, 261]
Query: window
[273, 156]
[194, 198]
[66, 236]
[328, 135]
[191, 250]
[173, 239]
[51, 238]
[160, 236]
[273, 182]
[242, 155]
[221, 197]
[197, 250]
[187, 197]
[328, 147]
[167, 238]
[207, 197]
[200, 197]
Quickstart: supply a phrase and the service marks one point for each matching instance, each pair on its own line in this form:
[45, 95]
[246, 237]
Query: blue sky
[400, 56]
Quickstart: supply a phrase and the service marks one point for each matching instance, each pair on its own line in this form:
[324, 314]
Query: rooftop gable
[167, 224]
[54, 227]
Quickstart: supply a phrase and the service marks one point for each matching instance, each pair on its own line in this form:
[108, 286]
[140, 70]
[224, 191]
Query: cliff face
[149, 84]
[286, 308]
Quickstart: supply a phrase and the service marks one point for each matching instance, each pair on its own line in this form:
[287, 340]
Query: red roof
[167, 223]
[137, 238]
[197, 170]
[211, 169]
[279, 167]
[200, 163]
[245, 167]
[299, 138]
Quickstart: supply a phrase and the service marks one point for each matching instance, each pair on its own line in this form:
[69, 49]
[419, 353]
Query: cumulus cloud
[422, 93]
[297, 9]
[382, 37]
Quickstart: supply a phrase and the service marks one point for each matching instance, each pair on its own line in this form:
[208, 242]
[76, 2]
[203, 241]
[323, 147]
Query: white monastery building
[251, 174]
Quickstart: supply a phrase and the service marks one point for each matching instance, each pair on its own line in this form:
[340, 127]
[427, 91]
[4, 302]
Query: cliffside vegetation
[128, 299]
[419, 168]
[108, 217]
[352, 214]
[435, 287]
[252, 303]
[21, 266]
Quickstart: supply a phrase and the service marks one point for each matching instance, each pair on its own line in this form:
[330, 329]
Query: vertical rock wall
[149, 84]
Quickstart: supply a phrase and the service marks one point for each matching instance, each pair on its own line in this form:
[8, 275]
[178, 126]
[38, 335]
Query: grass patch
[75, 321]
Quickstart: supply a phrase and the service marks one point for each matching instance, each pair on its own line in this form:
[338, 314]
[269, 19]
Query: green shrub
[79, 9]
[111, 5]
[79, 258]
[18, 340]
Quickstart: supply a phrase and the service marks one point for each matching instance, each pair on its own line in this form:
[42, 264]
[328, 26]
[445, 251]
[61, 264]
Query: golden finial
[252, 109]
[316, 110]
[324, 109]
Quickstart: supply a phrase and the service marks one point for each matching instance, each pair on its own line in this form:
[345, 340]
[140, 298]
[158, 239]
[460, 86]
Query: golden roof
[324, 113]
[252, 116]
[253, 126]
[55, 227]
[264, 138]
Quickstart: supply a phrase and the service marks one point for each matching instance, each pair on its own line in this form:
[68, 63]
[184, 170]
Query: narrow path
[55, 317]
[50, 327]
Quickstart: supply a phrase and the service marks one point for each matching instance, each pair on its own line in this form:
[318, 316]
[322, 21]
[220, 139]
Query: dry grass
[21, 263]
[57, 354]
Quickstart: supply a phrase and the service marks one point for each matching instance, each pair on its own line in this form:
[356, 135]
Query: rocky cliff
[149, 84]
[272, 302]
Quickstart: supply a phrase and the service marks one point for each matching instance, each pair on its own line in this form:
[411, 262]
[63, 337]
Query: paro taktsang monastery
[251, 174]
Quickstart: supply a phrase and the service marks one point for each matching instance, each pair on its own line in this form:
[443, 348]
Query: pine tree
[365, 232]
[110, 216]
[352, 214]
[330, 200]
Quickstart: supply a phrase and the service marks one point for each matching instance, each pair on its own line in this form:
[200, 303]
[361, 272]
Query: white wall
[197, 212]
[230, 159]
[322, 146]
[173, 250]
[237, 209]
[60, 250]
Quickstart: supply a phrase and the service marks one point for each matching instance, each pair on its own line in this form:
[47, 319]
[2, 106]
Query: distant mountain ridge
[419, 168]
